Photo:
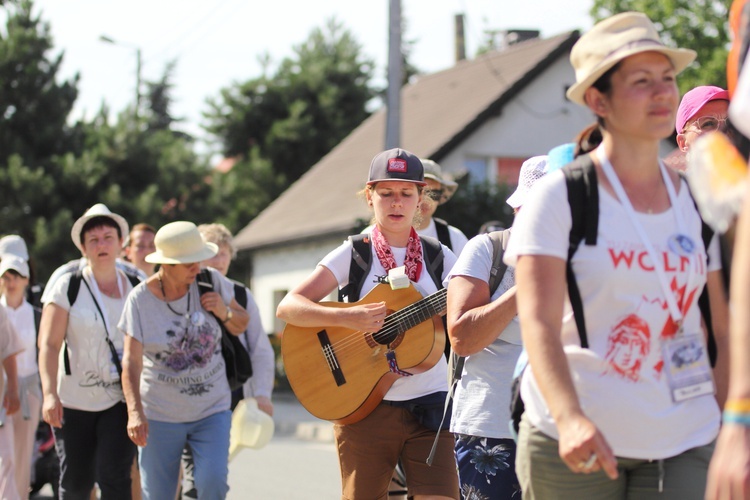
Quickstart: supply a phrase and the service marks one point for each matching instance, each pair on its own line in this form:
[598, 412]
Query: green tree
[34, 105]
[51, 172]
[294, 117]
[477, 203]
[701, 25]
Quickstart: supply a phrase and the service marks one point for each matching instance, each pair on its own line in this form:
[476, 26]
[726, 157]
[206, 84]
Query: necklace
[197, 318]
[185, 314]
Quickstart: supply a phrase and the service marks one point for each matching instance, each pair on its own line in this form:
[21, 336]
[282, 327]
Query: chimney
[460, 40]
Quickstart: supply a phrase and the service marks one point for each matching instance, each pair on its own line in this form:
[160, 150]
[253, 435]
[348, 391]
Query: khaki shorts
[543, 474]
[369, 450]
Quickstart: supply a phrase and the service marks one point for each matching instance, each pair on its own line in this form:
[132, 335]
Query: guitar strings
[391, 326]
[391, 323]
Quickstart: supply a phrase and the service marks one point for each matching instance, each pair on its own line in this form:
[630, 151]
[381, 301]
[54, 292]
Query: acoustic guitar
[341, 375]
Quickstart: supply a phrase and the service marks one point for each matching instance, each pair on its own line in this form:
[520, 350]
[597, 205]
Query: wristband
[731, 417]
[740, 405]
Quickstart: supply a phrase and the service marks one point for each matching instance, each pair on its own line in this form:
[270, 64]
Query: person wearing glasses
[439, 189]
[702, 109]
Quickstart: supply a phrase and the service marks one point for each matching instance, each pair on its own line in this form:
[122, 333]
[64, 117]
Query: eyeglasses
[434, 194]
[710, 123]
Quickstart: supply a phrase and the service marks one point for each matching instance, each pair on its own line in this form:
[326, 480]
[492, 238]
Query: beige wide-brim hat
[251, 427]
[98, 210]
[612, 40]
[180, 243]
[433, 171]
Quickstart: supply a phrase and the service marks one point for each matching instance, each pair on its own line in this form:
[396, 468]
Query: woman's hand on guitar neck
[365, 317]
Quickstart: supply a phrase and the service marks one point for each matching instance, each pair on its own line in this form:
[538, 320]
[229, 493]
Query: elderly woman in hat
[80, 352]
[173, 372]
[617, 419]
[14, 276]
[371, 444]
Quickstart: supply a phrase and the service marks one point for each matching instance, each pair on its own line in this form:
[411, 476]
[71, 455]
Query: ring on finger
[588, 463]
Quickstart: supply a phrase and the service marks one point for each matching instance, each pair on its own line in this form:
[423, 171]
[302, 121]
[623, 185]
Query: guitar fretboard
[414, 314]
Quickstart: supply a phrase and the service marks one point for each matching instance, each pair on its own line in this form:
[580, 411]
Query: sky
[216, 43]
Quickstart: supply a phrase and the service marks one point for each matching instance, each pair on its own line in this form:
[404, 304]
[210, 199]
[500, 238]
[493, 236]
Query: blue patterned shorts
[486, 468]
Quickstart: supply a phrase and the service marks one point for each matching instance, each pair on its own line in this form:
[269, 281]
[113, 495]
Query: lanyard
[97, 296]
[622, 196]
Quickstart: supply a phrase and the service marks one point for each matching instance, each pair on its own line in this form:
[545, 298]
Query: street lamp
[106, 39]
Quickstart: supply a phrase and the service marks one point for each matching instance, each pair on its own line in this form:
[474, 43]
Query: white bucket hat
[180, 243]
[251, 427]
[612, 40]
[98, 210]
[532, 170]
[14, 262]
[14, 245]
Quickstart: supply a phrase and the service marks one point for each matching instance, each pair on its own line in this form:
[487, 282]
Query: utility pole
[395, 77]
[138, 61]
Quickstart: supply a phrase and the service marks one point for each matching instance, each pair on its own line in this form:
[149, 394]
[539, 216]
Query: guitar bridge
[330, 357]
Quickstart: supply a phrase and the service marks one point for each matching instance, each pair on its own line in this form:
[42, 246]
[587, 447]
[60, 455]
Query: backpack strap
[707, 234]
[358, 268]
[73, 286]
[499, 241]
[443, 233]
[240, 294]
[433, 254]
[583, 198]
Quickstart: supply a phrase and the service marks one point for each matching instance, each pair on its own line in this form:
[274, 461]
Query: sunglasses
[434, 194]
[710, 123]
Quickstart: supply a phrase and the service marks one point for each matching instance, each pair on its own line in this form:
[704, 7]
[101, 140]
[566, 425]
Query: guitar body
[341, 375]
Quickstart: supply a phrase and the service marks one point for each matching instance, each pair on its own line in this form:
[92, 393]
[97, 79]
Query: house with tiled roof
[482, 117]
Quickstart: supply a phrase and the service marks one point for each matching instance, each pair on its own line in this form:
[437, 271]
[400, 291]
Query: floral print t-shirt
[183, 377]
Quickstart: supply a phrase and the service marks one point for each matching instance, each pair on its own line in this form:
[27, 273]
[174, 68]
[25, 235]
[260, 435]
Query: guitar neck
[422, 310]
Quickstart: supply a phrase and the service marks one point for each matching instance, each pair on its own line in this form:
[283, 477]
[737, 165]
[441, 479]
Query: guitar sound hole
[391, 338]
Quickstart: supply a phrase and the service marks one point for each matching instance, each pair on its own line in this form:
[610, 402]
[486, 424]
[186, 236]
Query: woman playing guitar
[370, 448]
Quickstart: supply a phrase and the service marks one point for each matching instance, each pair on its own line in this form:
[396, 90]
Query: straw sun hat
[612, 40]
[180, 243]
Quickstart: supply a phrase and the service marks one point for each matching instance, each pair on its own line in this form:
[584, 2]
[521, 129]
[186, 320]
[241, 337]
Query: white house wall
[283, 269]
[534, 122]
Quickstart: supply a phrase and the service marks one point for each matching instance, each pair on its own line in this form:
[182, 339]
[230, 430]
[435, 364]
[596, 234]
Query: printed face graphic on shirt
[634, 343]
[628, 346]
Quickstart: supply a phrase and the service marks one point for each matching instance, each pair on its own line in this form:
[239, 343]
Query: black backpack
[237, 362]
[583, 198]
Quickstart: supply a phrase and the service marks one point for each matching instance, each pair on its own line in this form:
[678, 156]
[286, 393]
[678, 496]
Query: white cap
[531, 171]
[14, 262]
[14, 245]
[251, 427]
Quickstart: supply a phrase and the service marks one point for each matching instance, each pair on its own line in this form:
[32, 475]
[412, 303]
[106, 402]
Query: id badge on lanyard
[685, 356]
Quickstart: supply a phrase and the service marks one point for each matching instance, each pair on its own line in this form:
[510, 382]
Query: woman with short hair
[80, 351]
